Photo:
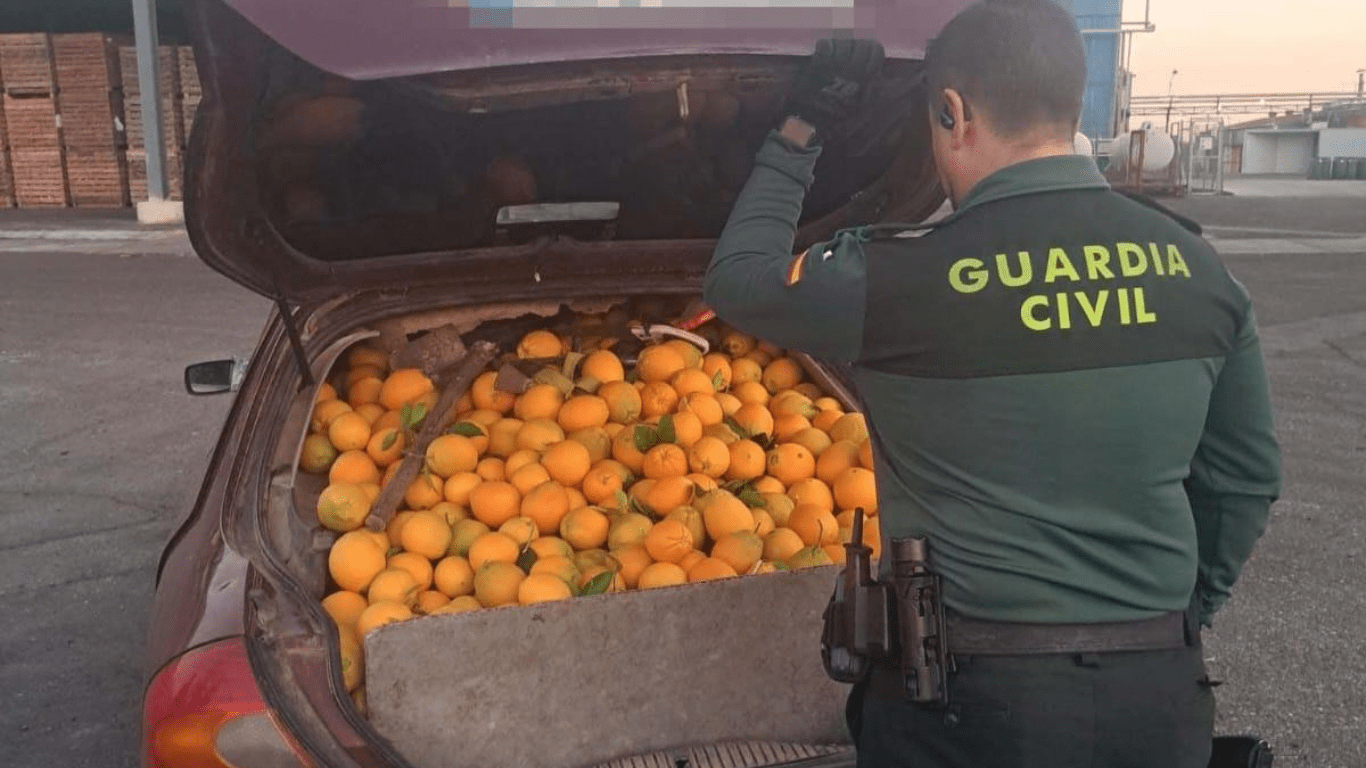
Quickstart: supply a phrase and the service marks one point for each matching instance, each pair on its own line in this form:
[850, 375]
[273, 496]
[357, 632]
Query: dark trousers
[1146, 709]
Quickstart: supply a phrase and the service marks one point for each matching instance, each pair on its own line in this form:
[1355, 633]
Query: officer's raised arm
[811, 301]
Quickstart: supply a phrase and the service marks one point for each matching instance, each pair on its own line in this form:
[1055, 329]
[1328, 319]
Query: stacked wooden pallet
[90, 101]
[172, 121]
[34, 137]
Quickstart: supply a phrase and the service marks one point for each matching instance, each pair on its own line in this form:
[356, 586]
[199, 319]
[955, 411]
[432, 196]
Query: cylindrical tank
[1158, 151]
[1081, 145]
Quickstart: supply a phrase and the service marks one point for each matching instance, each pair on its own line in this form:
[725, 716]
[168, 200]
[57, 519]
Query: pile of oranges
[686, 468]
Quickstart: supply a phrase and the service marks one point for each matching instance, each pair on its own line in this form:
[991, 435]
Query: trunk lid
[346, 145]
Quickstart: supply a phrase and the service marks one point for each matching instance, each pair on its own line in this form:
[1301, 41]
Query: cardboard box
[594, 679]
[26, 63]
[39, 181]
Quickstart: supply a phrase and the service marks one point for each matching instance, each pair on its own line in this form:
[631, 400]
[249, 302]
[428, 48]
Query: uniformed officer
[1067, 398]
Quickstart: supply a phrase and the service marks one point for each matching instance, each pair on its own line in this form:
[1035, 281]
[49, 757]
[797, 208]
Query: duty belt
[974, 637]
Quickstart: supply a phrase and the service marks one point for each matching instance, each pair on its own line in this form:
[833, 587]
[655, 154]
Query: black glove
[834, 81]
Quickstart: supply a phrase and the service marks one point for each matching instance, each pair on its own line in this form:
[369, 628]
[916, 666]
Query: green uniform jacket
[1066, 386]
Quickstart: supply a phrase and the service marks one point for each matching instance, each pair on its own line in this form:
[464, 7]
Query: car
[378, 174]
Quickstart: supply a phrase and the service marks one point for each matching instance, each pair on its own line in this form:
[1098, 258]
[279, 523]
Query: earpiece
[946, 118]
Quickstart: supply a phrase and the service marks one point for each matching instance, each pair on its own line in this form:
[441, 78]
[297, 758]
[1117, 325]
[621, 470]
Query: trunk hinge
[296, 341]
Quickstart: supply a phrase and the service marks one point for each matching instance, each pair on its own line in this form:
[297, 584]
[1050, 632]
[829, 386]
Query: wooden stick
[461, 376]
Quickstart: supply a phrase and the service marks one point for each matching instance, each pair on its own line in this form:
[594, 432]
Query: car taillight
[203, 710]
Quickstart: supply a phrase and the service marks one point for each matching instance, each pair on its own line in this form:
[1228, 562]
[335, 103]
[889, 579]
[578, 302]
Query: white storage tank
[1158, 150]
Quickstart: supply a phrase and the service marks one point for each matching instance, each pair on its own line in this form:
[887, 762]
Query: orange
[538, 434]
[597, 440]
[358, 372]
[520, 459]
[865, 455]
[665, 460]
[558, 566]
[784, 427]
[657, 398]
[826, 419]
[691, 381]
[618, 584]
[816, 526]
[389, 473]
[405, 385]
[364, 391]
[855, 488]
[483, 417]
[546, 505]
[743, 370]
[393, 585]
[737, 344]
[836, 552]
[721, 432]
[754, 419]
[659, 363]
[763, 522]
[381, 613]
[493, 546]
[462, 604]
[496, 583]
[692, 519]
[585, 528]
[325, 392]
[539, 344]
[740, 550]
[383, 456]
[417, 566]
[349, 432]
[782, 544]
[809, 389]
[426, 533]
[520, 529]
[626, 453]
[343, 507]
[495, 502]
[364, 354]
[851, 427]
[769, 484]
[668, 493]
[387, 420]
[451, 513]
[324, 413]
[542, 588]
[836, 460]
[729, 403]
[692, 356]
[317, 454]
[710, 569]
[668, 541]
[463, 535]
[810, 557]
[603, 480]
[790, 402]
[761, 357]
[371, 491]
[354, 560]
[428, 601]
[490, 468]
[540, 401]
[567, 462]
[628, 529]
[747, 461]
[345, 606]
[551, 546]
[826, 403]
[623, 401]
[394, 530]
[528, 477]
[692, 558]
[658, 575]
[704, 483]
[790, 462]
[812, 491]
[687, 429]
[603, 366]
[812, 439]
[751, 392]
[503, 437]
[451, 454]
[640, 489]
[371, 412]
[634, 560]
[458, 487]
[716, 363]
[583, 411]
[705, 407]
[426, 491]
[591, 558]
[783, 373]
[487, 398]
[723, 513]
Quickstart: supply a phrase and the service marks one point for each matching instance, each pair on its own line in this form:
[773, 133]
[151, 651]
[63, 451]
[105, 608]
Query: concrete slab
[161, 212]
[1280, 186]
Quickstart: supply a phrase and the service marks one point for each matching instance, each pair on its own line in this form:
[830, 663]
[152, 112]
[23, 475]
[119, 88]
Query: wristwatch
[797, 131]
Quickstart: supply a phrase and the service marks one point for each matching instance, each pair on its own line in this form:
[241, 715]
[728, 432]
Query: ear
[954, 115]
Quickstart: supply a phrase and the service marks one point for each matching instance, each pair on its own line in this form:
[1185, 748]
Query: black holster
[901, 624]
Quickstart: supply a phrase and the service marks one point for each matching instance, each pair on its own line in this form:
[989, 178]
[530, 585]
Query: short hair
[1020, 61]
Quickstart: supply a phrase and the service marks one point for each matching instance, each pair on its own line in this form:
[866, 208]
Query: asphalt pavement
[101, 451]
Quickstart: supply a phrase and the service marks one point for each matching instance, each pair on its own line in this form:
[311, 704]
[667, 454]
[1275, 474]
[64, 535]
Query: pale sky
[1249, 46]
